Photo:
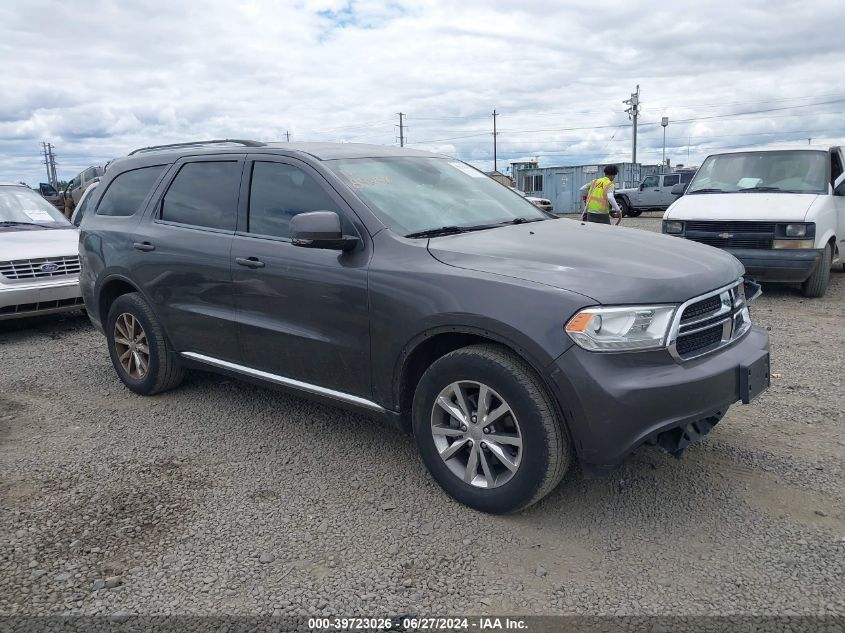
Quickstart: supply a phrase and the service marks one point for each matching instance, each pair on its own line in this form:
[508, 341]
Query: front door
[649, 192]
[837, 179]
[302, 313]
[185, 262]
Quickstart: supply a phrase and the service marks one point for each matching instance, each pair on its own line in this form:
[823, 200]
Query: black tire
[624, 206]
[162, 372]
[546, 449]
[816, 285]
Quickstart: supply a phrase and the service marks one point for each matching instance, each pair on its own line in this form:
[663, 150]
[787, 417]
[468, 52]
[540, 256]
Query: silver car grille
[709, 322]
[40, 268]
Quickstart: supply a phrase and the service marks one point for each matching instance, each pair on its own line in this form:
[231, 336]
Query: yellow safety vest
[597, 196]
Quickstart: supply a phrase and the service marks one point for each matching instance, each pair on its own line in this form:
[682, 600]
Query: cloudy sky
[99, 78]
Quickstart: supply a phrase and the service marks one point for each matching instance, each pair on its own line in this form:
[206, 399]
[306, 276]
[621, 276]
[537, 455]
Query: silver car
[39, 256]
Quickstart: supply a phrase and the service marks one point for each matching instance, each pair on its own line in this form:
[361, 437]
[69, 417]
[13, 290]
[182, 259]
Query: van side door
[184, 245]
[303, 313]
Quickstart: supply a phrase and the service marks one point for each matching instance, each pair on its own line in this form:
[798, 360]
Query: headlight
[796, 230]
[673, 227]
[621, 329]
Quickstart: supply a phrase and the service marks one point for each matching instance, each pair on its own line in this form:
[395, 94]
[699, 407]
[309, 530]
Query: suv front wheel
[487, 431]
[138, 348]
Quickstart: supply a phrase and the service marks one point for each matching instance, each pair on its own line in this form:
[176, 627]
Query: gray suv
[412, 286]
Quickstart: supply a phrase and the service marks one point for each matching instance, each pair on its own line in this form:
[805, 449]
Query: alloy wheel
[476, 434]
[130, 343]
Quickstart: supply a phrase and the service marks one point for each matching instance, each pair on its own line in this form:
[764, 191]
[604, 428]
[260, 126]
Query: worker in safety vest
[599, 198]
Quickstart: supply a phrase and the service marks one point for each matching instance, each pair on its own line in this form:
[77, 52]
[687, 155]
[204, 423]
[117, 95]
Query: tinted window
[651, 181]
[204, 194]
[668, 181]
[277, 193]
[128, 191]
[687, 176]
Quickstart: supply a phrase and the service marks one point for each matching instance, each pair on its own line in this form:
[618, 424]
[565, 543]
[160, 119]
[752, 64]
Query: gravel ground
[226, 498]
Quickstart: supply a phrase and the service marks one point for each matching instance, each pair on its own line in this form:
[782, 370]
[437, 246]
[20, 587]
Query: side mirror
[678, 190]
[642, 186]
[320, 229]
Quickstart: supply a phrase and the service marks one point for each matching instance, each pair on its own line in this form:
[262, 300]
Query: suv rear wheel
[487, 431]
[139, 351]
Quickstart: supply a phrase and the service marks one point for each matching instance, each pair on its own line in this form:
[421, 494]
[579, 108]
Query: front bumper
[48, 297]
[783, 265]
[616, 402]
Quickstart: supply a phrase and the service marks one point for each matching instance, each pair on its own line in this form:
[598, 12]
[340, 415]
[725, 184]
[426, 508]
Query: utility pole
[401, 130]
[495, 134]
[287, 135]
[664, 122]
[633, 111]
[50, 163]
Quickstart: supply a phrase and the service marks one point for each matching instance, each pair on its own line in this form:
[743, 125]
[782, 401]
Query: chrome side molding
[284, 381]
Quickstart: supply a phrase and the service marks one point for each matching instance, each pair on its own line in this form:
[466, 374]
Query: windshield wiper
[523, 220]
[443, 230]
[778, 189]
[707, 190]
[12, 223]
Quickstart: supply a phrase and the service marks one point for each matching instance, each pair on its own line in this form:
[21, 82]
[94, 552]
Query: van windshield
[416, 194]
[790, 171]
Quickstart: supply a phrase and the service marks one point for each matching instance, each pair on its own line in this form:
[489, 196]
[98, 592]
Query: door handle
[143, 246]
[250, 262]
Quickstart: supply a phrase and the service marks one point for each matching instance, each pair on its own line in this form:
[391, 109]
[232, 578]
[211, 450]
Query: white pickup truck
[654, 192]
[781, 212]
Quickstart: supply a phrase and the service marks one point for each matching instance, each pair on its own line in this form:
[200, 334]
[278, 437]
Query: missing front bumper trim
[675, 441]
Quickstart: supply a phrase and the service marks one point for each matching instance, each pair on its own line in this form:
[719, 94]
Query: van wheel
[487, 431]
[816, 285]
[139, 351]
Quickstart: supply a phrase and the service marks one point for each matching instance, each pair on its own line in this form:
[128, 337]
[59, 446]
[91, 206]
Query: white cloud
[100, 82]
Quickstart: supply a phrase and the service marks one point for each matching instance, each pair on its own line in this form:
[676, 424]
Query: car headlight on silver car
[619, 329]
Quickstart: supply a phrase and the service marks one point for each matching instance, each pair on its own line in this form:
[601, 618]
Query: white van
[781, 212]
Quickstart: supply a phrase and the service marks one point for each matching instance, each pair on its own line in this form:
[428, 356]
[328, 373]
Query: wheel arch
[112, 288]
[425, 348]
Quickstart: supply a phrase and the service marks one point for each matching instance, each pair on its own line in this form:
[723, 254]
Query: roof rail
[237, 141]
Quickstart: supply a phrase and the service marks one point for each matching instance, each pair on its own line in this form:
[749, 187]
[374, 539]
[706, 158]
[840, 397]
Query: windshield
[412, 195]
[22, 205]
[797, 171]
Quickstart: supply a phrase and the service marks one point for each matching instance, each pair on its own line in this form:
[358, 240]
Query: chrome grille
[709, 322]
[43, 267]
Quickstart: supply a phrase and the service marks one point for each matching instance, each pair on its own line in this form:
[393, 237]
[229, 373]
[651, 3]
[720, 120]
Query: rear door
[185, 245]
[303, 313]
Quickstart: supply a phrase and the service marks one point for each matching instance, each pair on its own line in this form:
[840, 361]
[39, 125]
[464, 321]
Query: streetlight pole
[664, 122]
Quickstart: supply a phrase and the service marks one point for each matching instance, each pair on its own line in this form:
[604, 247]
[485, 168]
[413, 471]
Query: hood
[41, 243]
[626, 190]
[610, 264]
[772, 207]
